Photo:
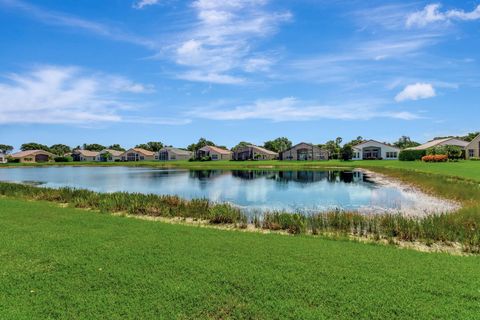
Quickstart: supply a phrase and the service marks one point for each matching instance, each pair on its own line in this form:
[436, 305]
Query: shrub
[63, 159]
[411, 155]
[435, 158]
[475, 158]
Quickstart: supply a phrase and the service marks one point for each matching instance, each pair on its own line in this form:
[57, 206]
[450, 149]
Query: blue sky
[124, 71]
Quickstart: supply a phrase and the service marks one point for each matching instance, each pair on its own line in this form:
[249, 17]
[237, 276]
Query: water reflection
[253, 189]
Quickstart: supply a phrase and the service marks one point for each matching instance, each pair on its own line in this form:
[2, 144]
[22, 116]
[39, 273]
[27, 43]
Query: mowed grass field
[67, 263]
[463, 169]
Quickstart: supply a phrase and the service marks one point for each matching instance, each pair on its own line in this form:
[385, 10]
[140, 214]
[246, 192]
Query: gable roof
[260, 149]
[311, 145]
[176, 151]
[474, 140]
[216, 149]
[27, 153]
[357, 146]
[114, 153]
[434, 143]
[86, 153]
[140, 150]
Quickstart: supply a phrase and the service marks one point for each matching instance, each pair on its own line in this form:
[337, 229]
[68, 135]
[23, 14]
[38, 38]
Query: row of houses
[366, 150]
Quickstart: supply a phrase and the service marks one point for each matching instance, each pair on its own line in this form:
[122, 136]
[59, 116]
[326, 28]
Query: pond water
[304, 191]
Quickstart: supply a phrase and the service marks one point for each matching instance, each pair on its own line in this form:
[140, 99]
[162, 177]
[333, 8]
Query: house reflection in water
[303, 176]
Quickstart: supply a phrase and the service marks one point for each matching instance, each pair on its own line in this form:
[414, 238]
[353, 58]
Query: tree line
[336, 149]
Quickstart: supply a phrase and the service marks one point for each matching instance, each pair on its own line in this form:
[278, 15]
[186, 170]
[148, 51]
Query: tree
[202, 142]
[106, 156]
[153, 146]
[405, 142]
[241, 145]
[60, 149]
[346, 152]
[333, 149]
[5, 148]
[338, 141]
[34, 146]
[278, 144]
[93, 147]
[356, 141]
[116, 147]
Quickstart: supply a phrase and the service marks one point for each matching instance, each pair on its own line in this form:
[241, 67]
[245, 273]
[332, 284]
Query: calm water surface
[254, 190]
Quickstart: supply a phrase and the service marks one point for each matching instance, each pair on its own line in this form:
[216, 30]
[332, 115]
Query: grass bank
[72, 264]
[469, 170]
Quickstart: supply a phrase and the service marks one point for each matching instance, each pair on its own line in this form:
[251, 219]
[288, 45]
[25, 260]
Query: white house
[3, 157]
[371, 149]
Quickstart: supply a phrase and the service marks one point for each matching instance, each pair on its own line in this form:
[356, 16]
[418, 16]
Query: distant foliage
[63, 159]
[411, 155]
[278, 145]
[116, 147]
[93, 147]
[405, 142]
[60, 149]
[5, 148]
[346, 152]
[202, 142]
[34, 146]
[153, 146]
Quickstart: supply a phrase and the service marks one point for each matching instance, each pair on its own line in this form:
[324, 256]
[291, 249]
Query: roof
[86, 153]
[176, 151]
[437, 142]
[216, 149]
[474, 140]
[27, 153]
[306, 143]
[273, 153]
[142, 151]
[371, 140]
[114, 153]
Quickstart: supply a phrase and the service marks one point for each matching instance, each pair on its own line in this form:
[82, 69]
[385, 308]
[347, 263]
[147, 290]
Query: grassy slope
[82, 264]
[463, 169]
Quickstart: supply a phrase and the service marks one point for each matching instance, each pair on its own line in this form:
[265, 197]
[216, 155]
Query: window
[214, 157]
[471, 153]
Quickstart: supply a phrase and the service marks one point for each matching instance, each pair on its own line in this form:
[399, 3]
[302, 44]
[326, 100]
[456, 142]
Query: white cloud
[415, 92]
[65, 20]
[221, 41]
[431, 13]
[68, 95]
[143, 3]
[292, 109]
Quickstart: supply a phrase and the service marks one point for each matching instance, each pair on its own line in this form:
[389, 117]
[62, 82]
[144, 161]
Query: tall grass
[460, 227]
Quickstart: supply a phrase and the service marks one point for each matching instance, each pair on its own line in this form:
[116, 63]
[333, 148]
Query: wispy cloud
[65, 20]
[293, 109]
[415, 92]
[219, 45]
[70, 95]
[140, 4]
[431, 14]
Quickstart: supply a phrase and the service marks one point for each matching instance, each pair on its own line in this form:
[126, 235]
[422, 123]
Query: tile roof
[27, 153]
[86, 153]
[217, 150]
[177, 151]
[436, 142]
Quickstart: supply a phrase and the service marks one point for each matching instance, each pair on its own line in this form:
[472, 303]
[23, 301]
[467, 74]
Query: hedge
[411, 155]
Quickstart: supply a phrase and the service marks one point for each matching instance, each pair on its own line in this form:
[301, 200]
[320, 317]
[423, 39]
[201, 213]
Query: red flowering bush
[435, 158]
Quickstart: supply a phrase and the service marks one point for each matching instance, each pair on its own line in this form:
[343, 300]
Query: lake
[305, 191]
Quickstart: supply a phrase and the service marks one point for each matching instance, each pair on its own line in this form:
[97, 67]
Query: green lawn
[463, 169]
[75, 264]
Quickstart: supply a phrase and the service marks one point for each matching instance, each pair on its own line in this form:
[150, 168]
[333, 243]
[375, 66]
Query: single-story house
[374, 150]
[3, 157]
[84, 155]
[138, 154]
[109, 155]
[172, 154]
[33, 156]
[472, 150]
[441, 142]
[252, 152]
[304, 151]
[215, 153]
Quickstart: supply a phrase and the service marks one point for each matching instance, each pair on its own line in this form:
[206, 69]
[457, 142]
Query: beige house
[441, 142]
[109, 155]
[138, 154]
[84, 155]
[472, 150]
[374, 150]
[304, 151]
[172, 154]
[252, 152]
[215, 153]
[3, 157]
[33, 156]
